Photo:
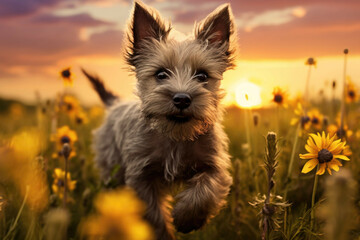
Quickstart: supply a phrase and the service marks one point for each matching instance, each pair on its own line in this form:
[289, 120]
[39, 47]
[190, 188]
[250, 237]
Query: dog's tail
[107, 97]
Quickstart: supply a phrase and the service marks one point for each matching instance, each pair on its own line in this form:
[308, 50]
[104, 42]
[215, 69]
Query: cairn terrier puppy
[173, 134]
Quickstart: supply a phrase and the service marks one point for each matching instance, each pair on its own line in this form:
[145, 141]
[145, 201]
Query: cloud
[83, 20]
[324, 31]
[34, 43]
[270, 18]
[16, 8]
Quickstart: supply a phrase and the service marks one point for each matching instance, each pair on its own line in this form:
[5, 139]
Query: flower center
[69, 107]
[66, 73]
[65, 139]
[304, 120]
[315, 120]
[79, 120]
[61, 183]
[351, 94]
[324, 155]
[278, 98]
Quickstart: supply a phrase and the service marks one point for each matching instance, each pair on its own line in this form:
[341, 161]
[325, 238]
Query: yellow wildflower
[59, 183]
[119, 217]
[64, 135]
[70, 105]
[301, 117]
[67, 77]
[351, 94]
[279, 96]
[316, 118]
[325, 151]
[23, 166]
[335, 129]
[81, 118]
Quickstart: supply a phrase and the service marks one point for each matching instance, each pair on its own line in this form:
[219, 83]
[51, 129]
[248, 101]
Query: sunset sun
[248, 95]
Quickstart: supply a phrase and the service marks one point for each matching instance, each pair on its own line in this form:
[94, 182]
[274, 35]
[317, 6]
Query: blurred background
[40, 38]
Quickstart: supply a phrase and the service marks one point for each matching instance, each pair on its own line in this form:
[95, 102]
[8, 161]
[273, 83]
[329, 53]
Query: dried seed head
[66, 150]
[271, 138]
[310, 61]
[334, 84]
[346, 51]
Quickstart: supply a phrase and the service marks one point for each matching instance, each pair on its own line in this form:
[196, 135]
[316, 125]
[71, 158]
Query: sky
[275, 37]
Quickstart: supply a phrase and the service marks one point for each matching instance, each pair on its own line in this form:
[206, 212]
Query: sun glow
[247, 95]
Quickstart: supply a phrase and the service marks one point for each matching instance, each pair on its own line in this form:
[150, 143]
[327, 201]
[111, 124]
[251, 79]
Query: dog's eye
[201, 76]
[161, 75]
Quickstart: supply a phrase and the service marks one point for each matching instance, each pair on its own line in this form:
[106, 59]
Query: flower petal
[294, 121]
[308, 155]
[343, 157]
[334, 145]
[321, 169]
[309, 165]
[317, 140]
[311, 144]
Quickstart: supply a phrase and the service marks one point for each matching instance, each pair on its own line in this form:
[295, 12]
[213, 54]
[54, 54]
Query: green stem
[313, 199]
[251, 160]
[288, 177]
[343, 100]
[13, 226]
[65, 182]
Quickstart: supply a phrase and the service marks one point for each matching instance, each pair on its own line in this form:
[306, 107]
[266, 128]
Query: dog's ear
[217, 27]
[146, 24]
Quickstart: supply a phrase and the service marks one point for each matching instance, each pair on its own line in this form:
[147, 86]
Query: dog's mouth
[178, 118]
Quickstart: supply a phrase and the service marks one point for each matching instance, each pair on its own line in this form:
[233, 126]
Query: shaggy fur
[159, 145]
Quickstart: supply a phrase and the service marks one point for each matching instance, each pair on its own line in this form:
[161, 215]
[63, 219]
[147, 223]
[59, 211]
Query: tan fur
[154, 151]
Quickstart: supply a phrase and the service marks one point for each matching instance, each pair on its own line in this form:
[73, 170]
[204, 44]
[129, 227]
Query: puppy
[173, 134]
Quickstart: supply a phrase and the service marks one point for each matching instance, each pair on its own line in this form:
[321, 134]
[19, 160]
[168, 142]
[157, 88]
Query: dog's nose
[182, 100]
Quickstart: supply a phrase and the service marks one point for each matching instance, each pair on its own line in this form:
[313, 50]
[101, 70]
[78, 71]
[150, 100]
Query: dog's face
[178, 82]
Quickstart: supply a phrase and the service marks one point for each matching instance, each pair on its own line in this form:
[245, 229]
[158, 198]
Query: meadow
[50, 188]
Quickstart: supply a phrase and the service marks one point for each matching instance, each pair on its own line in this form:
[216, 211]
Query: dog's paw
[186, 222]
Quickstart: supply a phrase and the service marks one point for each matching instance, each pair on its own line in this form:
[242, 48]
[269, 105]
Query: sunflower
[70, 105]
[302, 117]
[279, 96]
[81, 118]
[351, 92]
[334, 129]
[59, 183]
[316, 118]
[325, 151]
[67, 77]
[64, 135]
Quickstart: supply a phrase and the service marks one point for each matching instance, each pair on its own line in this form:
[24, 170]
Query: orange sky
[275, 38]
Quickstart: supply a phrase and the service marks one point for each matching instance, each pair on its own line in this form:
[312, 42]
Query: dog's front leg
[203, 197]
[154, 194]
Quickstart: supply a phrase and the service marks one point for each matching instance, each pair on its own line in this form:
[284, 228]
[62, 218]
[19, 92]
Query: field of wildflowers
[295, 166]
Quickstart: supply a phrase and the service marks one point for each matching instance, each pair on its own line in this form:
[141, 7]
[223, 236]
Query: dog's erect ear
[217, 27]
[146, 24]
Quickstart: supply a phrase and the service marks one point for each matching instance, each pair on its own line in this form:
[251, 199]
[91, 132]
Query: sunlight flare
[247, 95]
